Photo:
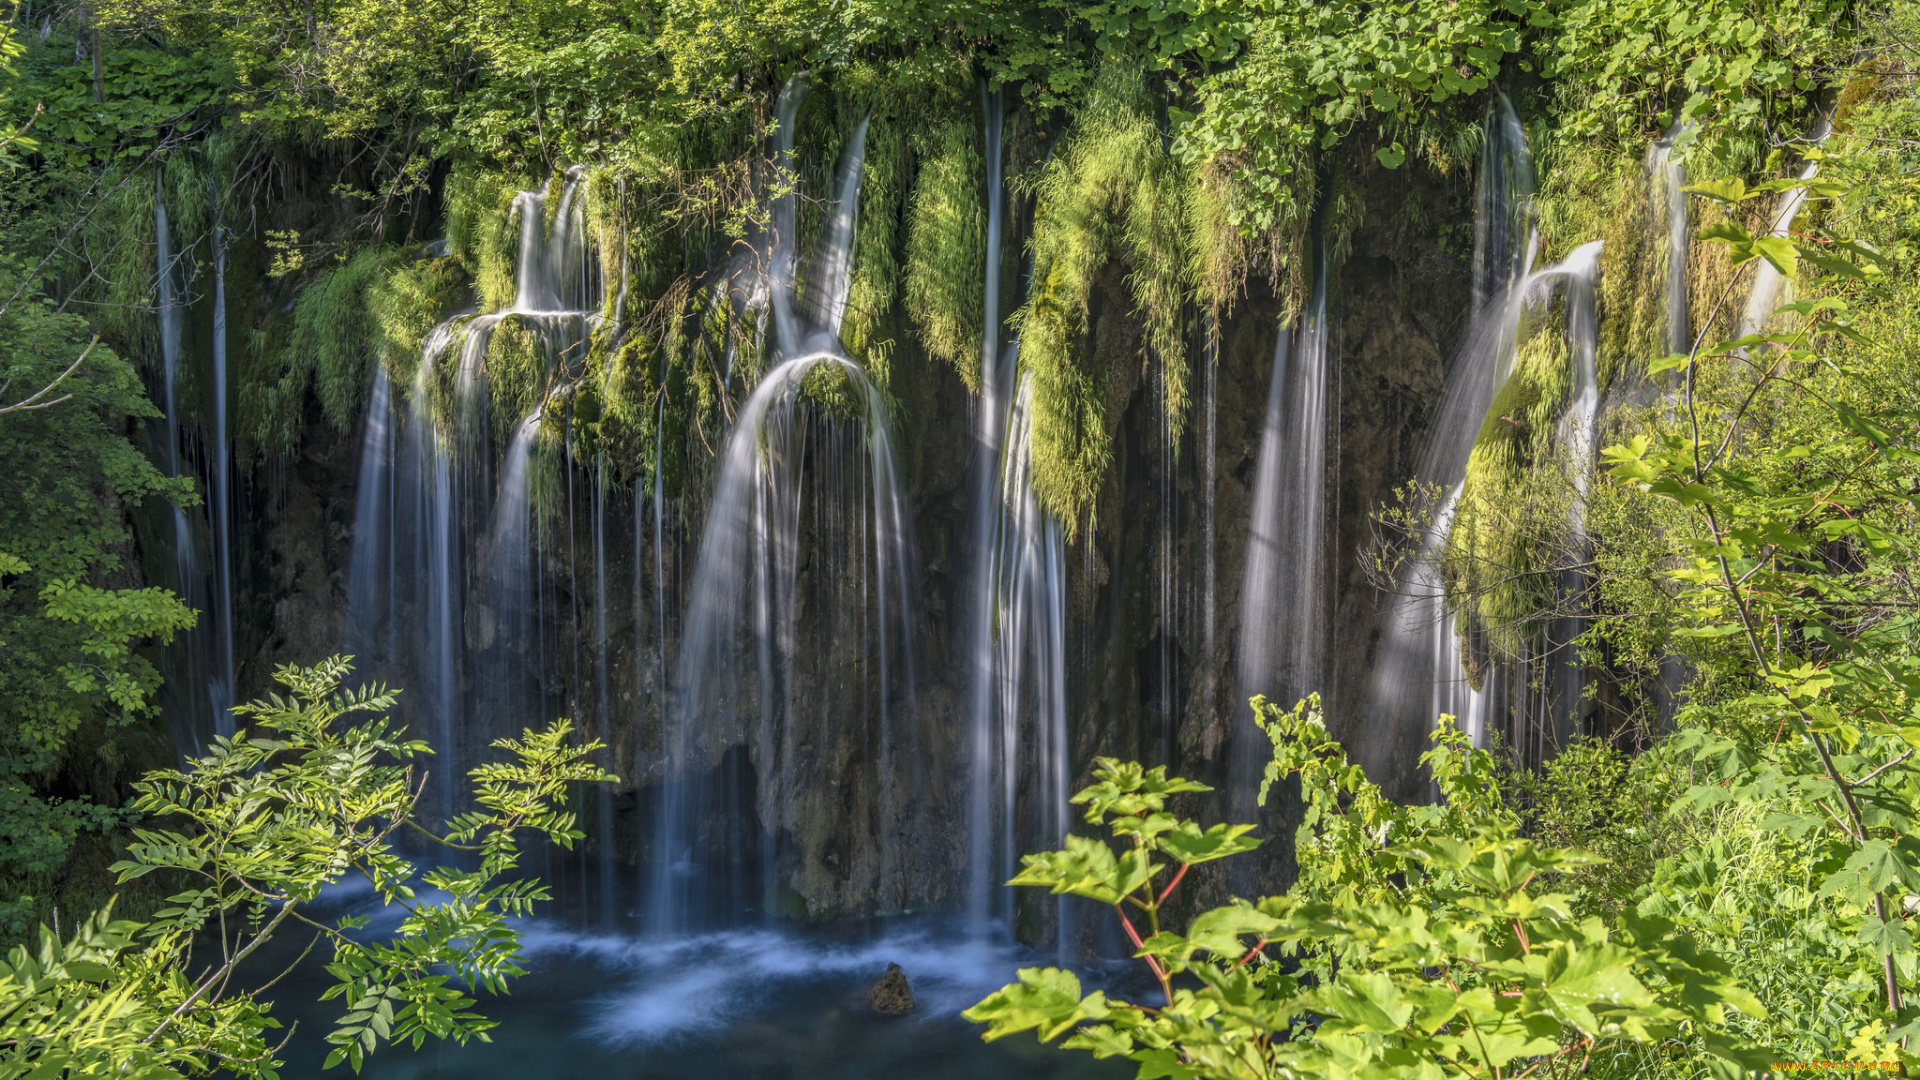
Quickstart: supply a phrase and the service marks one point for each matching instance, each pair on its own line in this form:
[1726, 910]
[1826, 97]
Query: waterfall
[1021, 763]
[984, 879]
[510, 618]
[784, 482]
[1286, 595]
[1020, 741]
[1667, 178]
[369, 597]
[1031, 605]
[202, 708]
[1581, 272]
[222, 508]
[1419, 672]
[1764, 297]
[1504, 239]
[602, 686]
[1209, 428]
[830, 270]
[444, 594]
[807, 513]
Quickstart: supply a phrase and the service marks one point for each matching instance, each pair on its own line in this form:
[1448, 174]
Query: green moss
[1597, 192]
[1501, 556]
[123, 226]
[516, 370]
[548, 473]
[406, 304]
[1111, 191]
[866, 329]
[624, 424]
[832, 389]
[946, 249]
[330, 349]
[605, 214]
[1220, 257]
[483, 232]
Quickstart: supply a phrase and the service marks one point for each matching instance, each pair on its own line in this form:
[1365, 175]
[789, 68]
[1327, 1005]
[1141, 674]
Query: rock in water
[890, 996]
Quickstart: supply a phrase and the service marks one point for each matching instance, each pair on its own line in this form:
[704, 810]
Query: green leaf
[1834, 266]
[1045, 1000]
[1366, 1001]
[1579, 980]
[1889, 938]
[1087, 867]
[1869, 871]
[1188, 844]
[1730, 190]
[1779, 251]
[1221, 930]
[1102, 1039]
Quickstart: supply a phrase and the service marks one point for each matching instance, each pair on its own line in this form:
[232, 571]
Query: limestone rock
[890, 996]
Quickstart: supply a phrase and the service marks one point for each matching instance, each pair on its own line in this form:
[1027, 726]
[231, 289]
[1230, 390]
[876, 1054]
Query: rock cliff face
[1148, 677]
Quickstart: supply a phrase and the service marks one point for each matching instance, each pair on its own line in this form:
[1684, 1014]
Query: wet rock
[890, 996]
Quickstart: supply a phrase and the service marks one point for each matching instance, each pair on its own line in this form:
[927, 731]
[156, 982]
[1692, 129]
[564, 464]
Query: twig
[49, 388]
[1860, 782]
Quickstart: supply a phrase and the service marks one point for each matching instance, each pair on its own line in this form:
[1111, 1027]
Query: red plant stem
[1162, 898]
[1134, 936]
[1251, 953]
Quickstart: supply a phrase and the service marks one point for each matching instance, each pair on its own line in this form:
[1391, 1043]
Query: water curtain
[806, 515]
[444, 594]
[1419, 673]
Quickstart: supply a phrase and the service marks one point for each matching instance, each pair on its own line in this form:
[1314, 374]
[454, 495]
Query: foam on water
[708, 982]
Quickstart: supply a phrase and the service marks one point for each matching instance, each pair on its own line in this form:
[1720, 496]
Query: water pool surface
[753, 1003]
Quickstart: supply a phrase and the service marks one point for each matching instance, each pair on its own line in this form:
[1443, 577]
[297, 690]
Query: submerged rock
[890, 996]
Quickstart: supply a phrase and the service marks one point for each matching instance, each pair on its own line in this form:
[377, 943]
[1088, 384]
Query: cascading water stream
[990, 422]
[1504, 236]
[222, 508]
[1287, 587]
[1667, 178]
[1763, 297]
[205, 707]
[739, 655]
[1017, 704]
[1419, 673]
[415, 616]
[823, 295]
[1283, 629]
[807, 477]
[1581, 275]
[1030, 605]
